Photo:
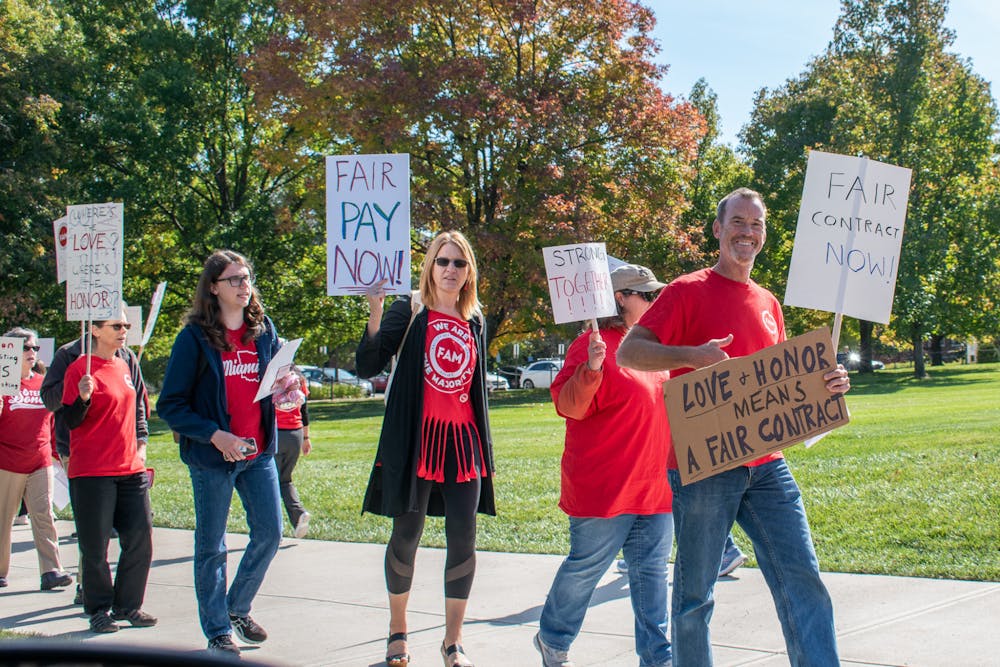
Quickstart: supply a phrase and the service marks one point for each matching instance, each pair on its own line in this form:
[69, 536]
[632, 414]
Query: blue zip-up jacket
[193, 399]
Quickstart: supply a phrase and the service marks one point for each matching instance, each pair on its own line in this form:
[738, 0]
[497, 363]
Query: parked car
[315, 377]
[346, 377]
[380, 382]
[852, 361]
[540, 373]
[495, 382]
[512, 374]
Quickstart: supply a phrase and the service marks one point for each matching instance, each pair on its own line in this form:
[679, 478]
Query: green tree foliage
[528, 124]
[887, 88]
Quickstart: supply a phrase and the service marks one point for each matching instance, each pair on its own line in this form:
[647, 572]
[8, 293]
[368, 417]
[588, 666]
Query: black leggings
[461, 501]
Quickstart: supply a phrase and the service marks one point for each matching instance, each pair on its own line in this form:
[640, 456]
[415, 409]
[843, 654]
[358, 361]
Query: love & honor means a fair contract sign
[579, 282]
[727, 414]
[367, 223]
[849, 236]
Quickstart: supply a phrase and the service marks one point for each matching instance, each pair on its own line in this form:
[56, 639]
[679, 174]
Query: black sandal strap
[396, 636]
[454, 648]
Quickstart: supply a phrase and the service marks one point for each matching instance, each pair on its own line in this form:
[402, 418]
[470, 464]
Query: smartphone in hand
[250, 447]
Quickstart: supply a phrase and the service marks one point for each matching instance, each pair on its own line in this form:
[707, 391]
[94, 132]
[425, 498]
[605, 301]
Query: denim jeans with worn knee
[256, 483]
[766, 503]
[645, 540]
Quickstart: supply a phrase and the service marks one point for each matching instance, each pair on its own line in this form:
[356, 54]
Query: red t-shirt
[105, 444]
[703, 305]
[290, 420]
[25, 429]
[615, 457]
[241, 369]
[449, 365]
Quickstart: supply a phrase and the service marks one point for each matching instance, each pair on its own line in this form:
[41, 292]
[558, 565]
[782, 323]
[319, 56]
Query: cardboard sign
[367, 223]
[134, 316]
[849, 236]
[94, 261]
[154, 312]
[579, 282]
[738, 410]
[60, 233]
[11, 352]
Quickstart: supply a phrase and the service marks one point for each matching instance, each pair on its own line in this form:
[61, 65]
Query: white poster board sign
[134, 315]
[11, 352]
[47, 350]
[280, 365]
[60, 233]
[367, 223]
[154, 312]
[579, 282]
[849, 236]
[94, 260]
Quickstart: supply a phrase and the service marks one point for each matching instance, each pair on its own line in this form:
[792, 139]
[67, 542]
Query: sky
[741, 46]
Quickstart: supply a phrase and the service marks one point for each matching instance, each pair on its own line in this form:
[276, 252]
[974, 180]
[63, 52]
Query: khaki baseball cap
[636, 278]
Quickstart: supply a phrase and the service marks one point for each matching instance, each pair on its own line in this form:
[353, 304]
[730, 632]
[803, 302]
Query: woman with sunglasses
[614, 480]
[108, 485]
[227, 439]
[26, 467]
[435, 454]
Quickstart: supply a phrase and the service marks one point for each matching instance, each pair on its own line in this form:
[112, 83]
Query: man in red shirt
[700, 319]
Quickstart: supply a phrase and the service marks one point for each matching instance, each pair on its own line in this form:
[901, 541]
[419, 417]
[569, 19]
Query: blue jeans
[645, 540]
[767, 504]
[256, 482]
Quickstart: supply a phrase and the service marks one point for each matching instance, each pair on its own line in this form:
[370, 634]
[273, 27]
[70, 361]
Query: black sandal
[396, 659]
[454, 656]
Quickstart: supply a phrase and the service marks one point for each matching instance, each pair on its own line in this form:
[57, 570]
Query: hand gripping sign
[579, 282]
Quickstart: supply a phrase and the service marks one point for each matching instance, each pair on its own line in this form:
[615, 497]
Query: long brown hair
[468, 298]
[205, 311]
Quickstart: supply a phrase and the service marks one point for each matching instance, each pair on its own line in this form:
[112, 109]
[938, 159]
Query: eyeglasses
[647, 296]
[119, 326]
[445, 261]
[32, 348]
[235, 281]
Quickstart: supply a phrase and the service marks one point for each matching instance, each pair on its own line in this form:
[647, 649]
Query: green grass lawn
[909, 487]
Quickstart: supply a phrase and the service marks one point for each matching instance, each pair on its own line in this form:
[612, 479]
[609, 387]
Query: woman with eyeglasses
[435, 453]
[614, 480]
[108, 485]
[26, 467]
[227, 439]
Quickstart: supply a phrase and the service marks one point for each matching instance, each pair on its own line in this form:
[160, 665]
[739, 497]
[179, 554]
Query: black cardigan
[391, 487]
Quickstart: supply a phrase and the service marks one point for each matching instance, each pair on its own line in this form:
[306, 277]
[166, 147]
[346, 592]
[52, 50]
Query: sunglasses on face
[445, 261]
[647, 296]
[119, 326]
[32, 348]
[235, 281]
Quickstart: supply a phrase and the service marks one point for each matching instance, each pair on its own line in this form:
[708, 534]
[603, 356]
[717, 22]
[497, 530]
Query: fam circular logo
[450, 364]
[767, 317]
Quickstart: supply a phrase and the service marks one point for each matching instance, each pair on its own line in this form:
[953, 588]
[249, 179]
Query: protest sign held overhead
[94, 260]
[134, 316]
[60, 233]
[11, 350]
[579, 282]
[154, 312]
[740, 409]
[367, 223]
[849, 236]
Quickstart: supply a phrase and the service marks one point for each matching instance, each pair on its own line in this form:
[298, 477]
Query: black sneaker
[137, 617]
[78, 598]
[247, 629]
[55, 579]
[223, 644]
[102, 623]
[3, 582]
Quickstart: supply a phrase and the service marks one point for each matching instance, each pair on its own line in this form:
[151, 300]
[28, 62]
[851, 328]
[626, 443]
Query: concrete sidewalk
[324, 603]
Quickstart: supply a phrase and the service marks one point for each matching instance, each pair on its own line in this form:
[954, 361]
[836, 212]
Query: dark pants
[289, 448]
[122, 503]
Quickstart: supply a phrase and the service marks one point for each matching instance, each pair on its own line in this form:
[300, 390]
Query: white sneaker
[550, 656]
[21, 520]
[302, 526]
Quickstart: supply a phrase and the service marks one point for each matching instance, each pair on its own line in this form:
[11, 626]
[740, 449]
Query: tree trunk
[919, 369]
[865, 334]
[936, 359]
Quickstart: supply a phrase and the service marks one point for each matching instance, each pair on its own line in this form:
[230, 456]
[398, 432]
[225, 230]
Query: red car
[379, 382]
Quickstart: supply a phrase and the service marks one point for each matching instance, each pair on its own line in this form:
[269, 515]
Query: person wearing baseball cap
[614, 486]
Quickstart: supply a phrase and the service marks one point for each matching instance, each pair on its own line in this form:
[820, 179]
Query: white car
[540, 373]
[346, 377]
[496, 382]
